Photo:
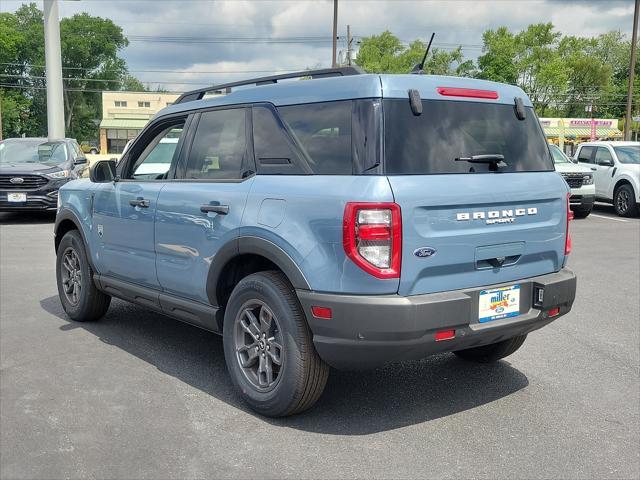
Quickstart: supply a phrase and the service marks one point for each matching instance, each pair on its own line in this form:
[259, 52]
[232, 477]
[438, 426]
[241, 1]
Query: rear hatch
[480, 201]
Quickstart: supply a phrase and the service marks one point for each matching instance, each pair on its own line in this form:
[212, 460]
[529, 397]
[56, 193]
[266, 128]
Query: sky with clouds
[184, 44]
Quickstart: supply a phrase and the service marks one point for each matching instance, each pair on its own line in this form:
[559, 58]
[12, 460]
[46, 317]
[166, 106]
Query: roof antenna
[418, 68]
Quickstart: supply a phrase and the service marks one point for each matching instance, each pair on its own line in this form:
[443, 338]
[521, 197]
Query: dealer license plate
[16, 197]
[499, 303]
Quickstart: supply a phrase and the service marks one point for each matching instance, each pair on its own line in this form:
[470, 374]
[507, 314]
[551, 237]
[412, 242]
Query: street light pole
[53, 63]
[334, 63]
[632, 67]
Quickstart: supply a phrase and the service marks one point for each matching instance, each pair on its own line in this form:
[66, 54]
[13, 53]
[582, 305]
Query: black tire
[299, 380]
[494, 352]
[582, 212]
[93, 151]
[624, 201]
[90, 303]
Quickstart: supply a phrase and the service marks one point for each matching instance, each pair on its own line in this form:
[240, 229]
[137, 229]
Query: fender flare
[64, 215]
[256, 246]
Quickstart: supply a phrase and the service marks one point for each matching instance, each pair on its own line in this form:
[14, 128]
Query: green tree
[562, 75]
[90, 47]
[385, 53]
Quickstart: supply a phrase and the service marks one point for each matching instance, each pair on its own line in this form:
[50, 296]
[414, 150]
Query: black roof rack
[322, 73]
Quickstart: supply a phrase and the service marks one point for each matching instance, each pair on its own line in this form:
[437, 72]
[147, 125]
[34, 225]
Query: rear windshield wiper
[495, 160]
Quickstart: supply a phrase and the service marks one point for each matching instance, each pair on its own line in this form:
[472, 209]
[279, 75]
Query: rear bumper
[368, 331]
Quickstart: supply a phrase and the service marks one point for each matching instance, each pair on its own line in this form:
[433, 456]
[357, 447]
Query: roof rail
[321, 73]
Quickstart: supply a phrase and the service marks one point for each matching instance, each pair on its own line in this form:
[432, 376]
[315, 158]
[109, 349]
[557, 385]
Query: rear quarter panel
[303, 216]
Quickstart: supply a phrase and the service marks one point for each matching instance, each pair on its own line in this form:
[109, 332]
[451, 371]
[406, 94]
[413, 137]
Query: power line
[284, 70]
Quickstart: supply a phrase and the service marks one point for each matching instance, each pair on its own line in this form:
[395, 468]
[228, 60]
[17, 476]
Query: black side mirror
[606, 163]
[103, 171]
[80, 161]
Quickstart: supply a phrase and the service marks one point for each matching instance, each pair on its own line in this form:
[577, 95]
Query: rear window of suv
[446, 130]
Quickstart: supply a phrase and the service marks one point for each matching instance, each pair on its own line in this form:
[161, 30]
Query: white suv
[580, 180]
[616, 171]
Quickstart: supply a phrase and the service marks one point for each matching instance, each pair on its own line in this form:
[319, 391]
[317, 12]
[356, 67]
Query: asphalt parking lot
[138, 395]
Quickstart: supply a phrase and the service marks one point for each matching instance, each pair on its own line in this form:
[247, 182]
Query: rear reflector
[554, 312]
[323, 313]
[467, 92]
[445, 335]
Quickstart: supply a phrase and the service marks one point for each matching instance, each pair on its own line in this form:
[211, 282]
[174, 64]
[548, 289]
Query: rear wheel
[494, 352]
[93, 151]
[80, 298]
[268, 347]
[624, 201]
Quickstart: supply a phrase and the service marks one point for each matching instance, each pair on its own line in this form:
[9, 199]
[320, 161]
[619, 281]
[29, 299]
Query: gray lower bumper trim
[366, 331]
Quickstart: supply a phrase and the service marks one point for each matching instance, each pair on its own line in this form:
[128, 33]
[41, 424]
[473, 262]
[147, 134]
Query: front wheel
[268, 347]
[494, 352]
[582, 212]
[624, 201]
[80, 298]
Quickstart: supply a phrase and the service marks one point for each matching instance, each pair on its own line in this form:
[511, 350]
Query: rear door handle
[221, 209]
[139, 202]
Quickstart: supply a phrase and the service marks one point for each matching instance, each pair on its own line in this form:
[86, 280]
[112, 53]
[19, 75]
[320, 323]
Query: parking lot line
[609, 218]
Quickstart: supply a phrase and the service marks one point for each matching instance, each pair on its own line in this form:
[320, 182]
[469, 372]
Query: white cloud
[454, 21]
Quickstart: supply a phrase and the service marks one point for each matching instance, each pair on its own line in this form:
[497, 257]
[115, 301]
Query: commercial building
[124, 114]
[568, 132]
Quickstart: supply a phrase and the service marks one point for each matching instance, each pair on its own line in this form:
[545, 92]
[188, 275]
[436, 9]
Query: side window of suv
[324, 131]
[219, 146]
[603, 156]
[274, 152]
[585, 154]
[155, 160]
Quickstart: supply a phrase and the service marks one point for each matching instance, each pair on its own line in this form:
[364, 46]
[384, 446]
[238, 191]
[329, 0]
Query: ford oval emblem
[423, 252]
[16, 180]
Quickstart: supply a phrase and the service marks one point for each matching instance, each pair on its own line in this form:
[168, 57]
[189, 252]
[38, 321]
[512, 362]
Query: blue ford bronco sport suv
[345, 220]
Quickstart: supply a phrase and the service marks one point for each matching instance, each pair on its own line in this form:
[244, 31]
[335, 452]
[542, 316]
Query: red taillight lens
[567, 241]
[467, 93]
[372, 237]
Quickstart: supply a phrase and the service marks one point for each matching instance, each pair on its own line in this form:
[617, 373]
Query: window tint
[324, 132]
[219, 145]
[558, 155]
[155, 160]
[603, 156]
[273, 151]
[446, 130]
[585, 154]
[628, 153]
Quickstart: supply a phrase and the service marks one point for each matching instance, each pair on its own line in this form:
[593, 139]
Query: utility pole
[632, 67]
[349, 41]
[53, 63]
[334, 63]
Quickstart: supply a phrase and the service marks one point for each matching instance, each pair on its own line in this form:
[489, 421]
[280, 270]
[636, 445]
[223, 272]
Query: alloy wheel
[71, 276]
[622, 201]
[258, 343]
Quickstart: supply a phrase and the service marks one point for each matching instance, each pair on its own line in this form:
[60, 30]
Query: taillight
[372, 237]
[567, 241]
